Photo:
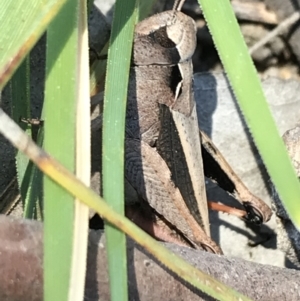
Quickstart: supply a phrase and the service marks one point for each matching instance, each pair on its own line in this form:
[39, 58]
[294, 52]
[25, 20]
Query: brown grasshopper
[163, 160]
[164, 172]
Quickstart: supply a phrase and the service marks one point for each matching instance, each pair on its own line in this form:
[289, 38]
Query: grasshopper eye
[161, 37]
[155, 49]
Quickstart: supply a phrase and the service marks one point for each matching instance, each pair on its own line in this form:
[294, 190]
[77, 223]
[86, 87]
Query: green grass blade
[28, 175]
[59, 139]
[22, 24]
[83, 155]
[98, 67]
[33, 205]
[20, 107]
[247, 88]
[119, 54]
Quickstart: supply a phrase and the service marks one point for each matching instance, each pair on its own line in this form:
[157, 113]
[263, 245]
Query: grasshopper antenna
[178, 4]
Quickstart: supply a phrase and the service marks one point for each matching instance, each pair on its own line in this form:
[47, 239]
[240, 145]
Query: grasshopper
[164, 147]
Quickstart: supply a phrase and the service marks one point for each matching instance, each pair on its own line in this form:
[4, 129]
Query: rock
[288, 235]
[283, 10]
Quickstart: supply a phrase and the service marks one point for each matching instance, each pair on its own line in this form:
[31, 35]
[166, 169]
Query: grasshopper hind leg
[218, 170]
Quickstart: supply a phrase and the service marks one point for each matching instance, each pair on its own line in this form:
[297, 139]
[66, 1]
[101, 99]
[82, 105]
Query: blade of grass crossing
[119, 54]
[22, 24]
[247, 88]
[61, 175]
